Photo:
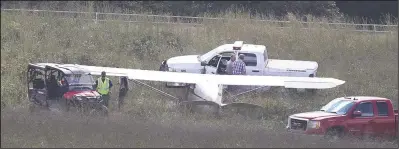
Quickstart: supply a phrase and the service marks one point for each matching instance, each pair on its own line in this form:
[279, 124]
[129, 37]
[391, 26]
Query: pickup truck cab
[256, 60]
[358, 116]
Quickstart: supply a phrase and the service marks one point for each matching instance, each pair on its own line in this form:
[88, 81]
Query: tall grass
[366, 61]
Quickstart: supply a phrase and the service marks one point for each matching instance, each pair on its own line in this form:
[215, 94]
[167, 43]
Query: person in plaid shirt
[239, 66]
[238, 69]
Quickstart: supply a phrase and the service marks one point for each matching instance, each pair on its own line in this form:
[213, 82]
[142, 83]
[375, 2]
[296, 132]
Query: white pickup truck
[256, 60]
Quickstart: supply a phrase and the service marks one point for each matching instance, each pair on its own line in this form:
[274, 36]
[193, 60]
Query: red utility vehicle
[62, 85]
[358, 115]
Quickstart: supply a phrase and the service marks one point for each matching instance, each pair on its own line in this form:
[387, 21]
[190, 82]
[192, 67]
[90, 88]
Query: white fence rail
[133, 18]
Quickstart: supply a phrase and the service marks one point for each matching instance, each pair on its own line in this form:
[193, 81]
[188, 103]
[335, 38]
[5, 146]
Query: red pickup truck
[357, 115]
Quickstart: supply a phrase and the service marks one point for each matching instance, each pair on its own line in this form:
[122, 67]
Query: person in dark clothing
[123, 89]
[164, 66]
[52, 87]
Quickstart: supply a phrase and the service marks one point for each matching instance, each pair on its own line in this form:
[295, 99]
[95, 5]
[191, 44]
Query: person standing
[123, 89]
[229, 68]
[103, 86]
[164, 66]
[239, 67]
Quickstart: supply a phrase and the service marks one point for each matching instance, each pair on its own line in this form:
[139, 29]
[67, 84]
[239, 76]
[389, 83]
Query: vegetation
[364, 12]
[366, 61]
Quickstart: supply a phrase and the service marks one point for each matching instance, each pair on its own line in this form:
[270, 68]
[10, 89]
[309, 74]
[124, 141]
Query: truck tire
[334, 133]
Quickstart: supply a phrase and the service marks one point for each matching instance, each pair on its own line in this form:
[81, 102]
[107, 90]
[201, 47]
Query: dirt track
[44, 129]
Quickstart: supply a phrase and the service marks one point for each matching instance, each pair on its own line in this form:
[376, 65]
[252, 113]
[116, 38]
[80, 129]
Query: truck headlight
[79, 98]
[314, 124]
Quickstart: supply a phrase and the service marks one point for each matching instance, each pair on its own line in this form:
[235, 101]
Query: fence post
[96, 18]
[375, 29]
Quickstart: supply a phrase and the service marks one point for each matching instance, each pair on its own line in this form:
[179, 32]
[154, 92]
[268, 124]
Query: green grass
[366, 61]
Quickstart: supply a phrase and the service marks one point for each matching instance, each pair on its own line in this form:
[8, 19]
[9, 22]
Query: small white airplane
[206, 88]
[210, 87]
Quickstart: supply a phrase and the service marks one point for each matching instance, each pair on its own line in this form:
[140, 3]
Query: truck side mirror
[357, 113]
[203, 63]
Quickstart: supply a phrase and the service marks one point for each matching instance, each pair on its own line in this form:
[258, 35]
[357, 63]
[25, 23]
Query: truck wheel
[334, 133]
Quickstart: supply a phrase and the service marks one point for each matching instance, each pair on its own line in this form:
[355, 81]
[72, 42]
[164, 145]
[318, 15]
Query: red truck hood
[315, 114]
[70, 94]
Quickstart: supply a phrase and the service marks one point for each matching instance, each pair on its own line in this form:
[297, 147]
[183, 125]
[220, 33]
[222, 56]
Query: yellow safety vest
[103, 87]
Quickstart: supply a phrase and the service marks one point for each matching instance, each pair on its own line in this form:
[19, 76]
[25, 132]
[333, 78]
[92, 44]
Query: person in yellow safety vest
[103, 86]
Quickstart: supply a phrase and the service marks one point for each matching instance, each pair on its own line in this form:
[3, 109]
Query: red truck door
[384, 122]
[362, 124]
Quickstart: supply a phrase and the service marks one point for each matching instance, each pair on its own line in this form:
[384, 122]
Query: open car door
[212, 66]
[37, 92]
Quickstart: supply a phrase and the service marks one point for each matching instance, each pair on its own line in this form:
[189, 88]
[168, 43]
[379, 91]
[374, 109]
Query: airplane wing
[287, 82]
[192, 78]
[148, 75]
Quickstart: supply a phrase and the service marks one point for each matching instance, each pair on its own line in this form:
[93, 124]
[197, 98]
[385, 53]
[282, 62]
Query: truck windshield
[204, 56]
[338, 106]
[209, 54]
[79, 79]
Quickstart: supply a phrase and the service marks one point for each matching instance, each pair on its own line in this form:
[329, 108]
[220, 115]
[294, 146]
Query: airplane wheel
[203, 107]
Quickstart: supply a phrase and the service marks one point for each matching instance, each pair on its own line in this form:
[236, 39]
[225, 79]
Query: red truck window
[382, 108]
[366, 108]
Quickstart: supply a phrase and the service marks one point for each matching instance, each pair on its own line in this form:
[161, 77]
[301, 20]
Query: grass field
[367, 62]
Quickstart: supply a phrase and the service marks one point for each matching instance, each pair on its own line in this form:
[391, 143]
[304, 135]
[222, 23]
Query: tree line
[360, 11]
